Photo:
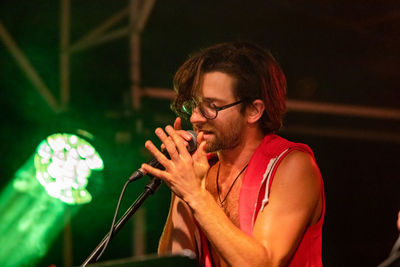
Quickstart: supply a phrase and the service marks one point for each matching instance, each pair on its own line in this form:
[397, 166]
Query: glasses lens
[188, 106]
[208, 110]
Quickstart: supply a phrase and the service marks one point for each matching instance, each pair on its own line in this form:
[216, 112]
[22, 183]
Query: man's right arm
[179, 230]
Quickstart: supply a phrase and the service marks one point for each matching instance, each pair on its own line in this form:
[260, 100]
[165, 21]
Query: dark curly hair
[257, 74]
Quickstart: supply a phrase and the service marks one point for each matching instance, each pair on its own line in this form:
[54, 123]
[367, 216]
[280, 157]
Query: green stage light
[33, 206]
[63, 164]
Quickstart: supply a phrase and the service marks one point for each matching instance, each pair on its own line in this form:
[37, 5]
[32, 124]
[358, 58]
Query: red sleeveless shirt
[254, 195]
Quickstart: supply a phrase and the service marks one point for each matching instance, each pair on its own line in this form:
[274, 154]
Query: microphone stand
[150, 189]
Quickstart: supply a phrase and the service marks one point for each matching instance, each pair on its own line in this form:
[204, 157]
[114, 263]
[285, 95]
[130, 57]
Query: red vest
[254, 194]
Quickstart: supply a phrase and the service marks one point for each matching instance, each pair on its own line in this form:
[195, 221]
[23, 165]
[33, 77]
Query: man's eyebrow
[211, 99]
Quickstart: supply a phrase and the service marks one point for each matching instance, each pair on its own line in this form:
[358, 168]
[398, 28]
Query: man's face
[226, 130]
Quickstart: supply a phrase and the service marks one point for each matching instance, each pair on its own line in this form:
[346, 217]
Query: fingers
[200, 138]
[163, 147]
[168, 143]
[175, 143]
[160, 157]
[200, 154]
[178, 140]
[178, 128]
[178, 124]
[201, 143]
[202, 147]
[184, 134]
[153, 171]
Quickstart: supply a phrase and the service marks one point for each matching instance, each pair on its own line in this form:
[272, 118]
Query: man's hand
[186, 137]
[184, 173]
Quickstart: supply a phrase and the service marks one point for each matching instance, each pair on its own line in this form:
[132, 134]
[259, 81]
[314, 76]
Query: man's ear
[255, 111]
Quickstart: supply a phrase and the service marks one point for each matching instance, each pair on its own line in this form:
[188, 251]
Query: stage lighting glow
[31, 213]
[63, 163]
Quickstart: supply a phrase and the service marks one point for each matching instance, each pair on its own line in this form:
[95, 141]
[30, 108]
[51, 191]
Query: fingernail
[147, 143]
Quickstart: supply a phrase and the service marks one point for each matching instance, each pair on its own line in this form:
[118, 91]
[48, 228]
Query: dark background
[339, 52]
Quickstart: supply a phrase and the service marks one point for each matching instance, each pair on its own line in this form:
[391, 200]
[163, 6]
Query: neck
[240, 155]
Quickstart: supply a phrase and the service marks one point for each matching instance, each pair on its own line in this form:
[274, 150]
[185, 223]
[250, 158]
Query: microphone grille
[192, 146]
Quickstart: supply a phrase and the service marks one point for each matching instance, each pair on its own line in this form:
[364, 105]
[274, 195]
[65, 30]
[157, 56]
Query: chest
[226, 194]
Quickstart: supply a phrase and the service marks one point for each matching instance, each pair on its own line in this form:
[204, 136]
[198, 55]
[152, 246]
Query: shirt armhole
[268, 176]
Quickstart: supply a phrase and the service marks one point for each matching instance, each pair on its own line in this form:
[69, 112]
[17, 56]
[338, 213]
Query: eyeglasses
[207, 109]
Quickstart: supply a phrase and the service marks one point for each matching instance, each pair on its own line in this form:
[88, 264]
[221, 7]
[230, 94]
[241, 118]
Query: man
[246, 197]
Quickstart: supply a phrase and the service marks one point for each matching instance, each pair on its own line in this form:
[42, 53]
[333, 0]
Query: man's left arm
[295, 202]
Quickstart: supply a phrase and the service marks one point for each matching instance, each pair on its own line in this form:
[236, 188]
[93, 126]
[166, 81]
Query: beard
[224, 137]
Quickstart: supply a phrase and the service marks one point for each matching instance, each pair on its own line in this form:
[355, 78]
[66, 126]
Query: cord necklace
[230, 188]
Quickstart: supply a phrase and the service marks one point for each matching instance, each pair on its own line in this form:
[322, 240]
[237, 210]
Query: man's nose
[196, 116]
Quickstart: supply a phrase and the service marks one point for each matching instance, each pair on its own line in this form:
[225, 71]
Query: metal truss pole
[134, 39]
[64, 53]
[28, 69]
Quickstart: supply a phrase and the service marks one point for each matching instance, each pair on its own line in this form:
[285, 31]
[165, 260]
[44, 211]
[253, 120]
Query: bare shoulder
[298, 185]
[298, 168]
[300, 159]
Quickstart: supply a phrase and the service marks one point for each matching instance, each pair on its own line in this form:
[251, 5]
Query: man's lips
[205, 132]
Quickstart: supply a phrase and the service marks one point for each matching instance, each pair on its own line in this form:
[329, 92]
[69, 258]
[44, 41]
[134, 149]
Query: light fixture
[64, 163]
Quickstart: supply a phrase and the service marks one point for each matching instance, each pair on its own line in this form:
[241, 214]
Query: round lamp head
[64, 163]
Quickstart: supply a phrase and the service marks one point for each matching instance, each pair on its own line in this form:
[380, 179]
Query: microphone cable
[113, 221]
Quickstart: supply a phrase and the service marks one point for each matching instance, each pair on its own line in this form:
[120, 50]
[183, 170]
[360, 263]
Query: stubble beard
[225, 138]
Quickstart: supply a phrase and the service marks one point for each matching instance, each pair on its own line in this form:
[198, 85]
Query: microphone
[191, 147]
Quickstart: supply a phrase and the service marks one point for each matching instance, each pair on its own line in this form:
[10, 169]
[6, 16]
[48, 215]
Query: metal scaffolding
[138, 12]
